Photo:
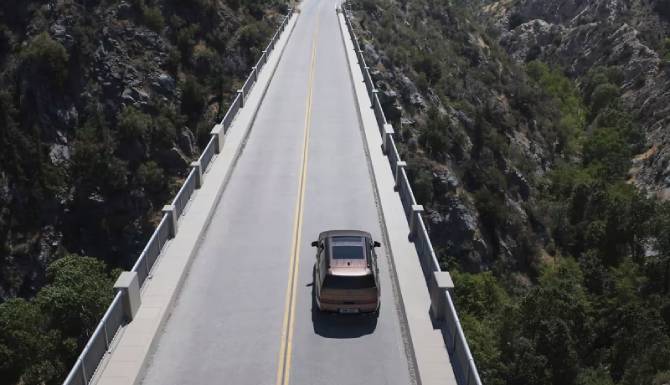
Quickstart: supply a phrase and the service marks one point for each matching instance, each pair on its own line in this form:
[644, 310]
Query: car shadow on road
[333, 325]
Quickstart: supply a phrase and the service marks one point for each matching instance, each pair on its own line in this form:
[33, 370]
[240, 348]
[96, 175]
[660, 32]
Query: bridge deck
[231, 321]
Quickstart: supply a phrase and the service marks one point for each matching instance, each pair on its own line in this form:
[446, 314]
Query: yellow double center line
[284, 366]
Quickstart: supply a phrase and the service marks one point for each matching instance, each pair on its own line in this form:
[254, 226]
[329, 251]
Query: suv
[346, 276]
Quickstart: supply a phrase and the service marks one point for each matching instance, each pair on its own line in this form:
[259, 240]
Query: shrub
[133, 124]
[172, 62]
[204, 59]
[602, 96]
[515, 20]
[430, 67]
[606, 147]
[250, 35]
[433, 138]
[233, 4]
[22, 338]
[192, 98]
[186, 40]
[151, 177]
[662, 378]
[93, 166]
[153, 18]
[46, 59]
[492, 209]
[423, 186]
[164, 131]
[563, 90]
[664, 50]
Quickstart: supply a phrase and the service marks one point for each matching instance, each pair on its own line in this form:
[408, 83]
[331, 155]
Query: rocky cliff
[521, 121]
[475, 130]
[103, 103]
[581, 35]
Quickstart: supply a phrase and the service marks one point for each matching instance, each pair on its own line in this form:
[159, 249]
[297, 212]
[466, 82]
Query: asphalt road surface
[245, 314]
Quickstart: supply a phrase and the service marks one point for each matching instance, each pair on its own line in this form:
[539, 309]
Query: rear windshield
[346, 282]
[347, 252]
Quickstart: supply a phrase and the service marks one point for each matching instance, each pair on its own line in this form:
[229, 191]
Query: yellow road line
[284, 367]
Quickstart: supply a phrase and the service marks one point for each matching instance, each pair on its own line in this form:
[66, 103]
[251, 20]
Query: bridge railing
[208, 153]
[442, 305]
[152, 250]
[100, 341]
[97, 344]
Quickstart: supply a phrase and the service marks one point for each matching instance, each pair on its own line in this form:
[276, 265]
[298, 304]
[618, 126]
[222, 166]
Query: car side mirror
[315, 243]
[376, 244]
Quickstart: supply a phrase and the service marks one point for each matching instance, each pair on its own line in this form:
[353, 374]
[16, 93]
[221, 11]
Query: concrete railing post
[241, 94]
[265, 56]
[198, 173]
[373, 93]
[366, 75]
[440, 283]
[129, 286]
[417, 210]
[171, 211]
[254, 69]
[386, 140]
[219, 132]
[401, 165]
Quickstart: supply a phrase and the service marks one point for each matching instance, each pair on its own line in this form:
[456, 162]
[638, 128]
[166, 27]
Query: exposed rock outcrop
[580, 35]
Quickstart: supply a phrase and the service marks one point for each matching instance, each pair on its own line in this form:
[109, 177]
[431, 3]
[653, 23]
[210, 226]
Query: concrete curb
[136, 342]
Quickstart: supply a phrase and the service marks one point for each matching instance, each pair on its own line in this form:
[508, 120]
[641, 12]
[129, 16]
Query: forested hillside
[103, 104]
[630, 37]
[561, 265]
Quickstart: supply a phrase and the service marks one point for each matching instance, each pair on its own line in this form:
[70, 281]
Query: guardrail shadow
[333, 325]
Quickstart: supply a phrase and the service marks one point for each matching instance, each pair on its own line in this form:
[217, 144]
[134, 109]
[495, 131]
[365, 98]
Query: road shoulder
[427, 350]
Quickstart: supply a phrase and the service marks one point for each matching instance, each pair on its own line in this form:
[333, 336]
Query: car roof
[352, 267]
[341, 233]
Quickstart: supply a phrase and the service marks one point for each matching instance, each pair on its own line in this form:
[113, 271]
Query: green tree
[571, 105]
[556, 316]
[78, 292]
[46, 60]
[94, 167]
[602, 96]
[492, 209]
[192, 98]
[133, 124]
[660, 262]
[153, 18]
[482, 303]
[480, 294]
[428, 65]
[423, 186]
[26, 349]
[592, 376]
[433, 138]
[607, 152]
[151, 177]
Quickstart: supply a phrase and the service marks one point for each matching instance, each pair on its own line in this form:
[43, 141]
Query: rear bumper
[348, 308]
